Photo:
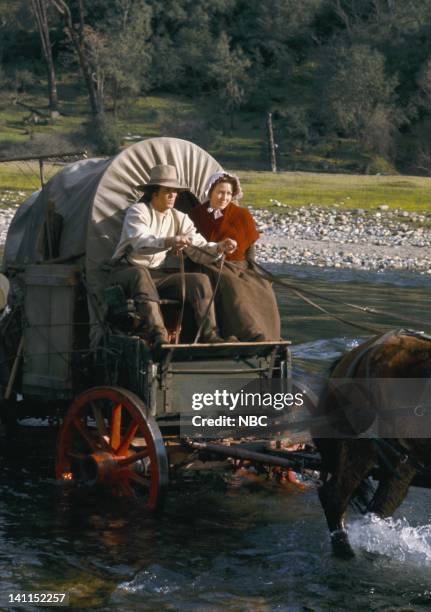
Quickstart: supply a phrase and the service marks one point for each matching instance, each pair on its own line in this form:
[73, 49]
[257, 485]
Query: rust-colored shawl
[236, 223]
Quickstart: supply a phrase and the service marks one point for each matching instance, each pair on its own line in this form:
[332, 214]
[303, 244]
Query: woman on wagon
[245, 302]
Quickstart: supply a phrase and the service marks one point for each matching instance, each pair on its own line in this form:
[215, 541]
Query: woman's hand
[228, 245]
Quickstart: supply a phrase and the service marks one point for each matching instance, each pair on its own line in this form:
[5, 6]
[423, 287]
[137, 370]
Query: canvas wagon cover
[92, 196]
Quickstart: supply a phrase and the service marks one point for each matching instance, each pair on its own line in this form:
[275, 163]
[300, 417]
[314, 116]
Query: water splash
[395, 538]
[155, 579]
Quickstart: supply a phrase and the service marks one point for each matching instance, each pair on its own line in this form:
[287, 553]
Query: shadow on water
[219, 546]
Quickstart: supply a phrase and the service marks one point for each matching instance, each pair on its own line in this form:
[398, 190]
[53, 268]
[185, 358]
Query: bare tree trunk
[40, 14]
[271, 144]
[77, 38]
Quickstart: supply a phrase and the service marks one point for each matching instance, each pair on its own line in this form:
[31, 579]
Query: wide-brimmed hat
[4, 291]
[163, 175]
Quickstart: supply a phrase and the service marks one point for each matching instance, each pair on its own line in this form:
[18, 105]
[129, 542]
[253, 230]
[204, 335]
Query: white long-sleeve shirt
[144, 232]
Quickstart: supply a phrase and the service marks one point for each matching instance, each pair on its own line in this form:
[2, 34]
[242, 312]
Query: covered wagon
[120, 409]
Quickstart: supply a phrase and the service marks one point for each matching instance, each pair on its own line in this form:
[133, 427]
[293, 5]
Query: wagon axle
[106, 468]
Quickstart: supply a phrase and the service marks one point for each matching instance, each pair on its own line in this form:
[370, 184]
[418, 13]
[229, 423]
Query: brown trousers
[146, 286]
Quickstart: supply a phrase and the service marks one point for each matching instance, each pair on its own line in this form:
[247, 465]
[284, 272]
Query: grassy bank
[347, 190]
[294, 188]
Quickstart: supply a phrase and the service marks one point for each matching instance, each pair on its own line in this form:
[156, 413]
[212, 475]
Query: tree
[358, 95]
[39, 8]
[88, 46]
[229, 70]
[377, 21]
[127, 52]
[282, 23]
[183, 39]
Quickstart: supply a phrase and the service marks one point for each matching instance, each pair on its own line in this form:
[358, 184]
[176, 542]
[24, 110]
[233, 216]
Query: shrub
[103, 135]
[23, 80]
[295, 124]
[195, 129]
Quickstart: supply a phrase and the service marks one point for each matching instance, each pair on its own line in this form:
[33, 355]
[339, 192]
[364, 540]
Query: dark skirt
[245, 302]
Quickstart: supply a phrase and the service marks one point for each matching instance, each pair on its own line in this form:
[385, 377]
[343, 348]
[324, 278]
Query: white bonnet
[218, 175]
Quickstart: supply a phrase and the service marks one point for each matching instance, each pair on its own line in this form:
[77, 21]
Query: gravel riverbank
[324, 236]
[340, 238]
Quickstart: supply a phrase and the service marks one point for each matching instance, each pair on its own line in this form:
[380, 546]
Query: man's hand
[177, 243]
[228, 245]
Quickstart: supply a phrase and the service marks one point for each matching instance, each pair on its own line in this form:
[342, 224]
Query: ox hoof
[341, 545]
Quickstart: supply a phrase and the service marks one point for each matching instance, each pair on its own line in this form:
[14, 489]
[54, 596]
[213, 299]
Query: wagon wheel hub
[102, 467]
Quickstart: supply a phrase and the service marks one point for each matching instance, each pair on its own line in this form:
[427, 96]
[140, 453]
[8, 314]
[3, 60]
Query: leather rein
[303, 293]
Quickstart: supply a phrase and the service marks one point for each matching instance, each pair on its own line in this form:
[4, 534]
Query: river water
[220, 547]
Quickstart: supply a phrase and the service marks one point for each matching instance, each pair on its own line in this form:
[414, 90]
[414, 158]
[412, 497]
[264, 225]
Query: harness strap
[378, 444]
[367, 350]
[374, 330]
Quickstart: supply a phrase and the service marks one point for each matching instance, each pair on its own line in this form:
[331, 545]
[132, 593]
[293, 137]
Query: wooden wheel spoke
[116, 426]
[135, 457]
[139, 480]
[93, 444]
[100, 421]
[128, 438]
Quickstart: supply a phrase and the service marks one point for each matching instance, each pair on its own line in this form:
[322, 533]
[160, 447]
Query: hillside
[23, 132]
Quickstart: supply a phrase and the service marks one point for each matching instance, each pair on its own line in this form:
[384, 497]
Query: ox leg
[355, 460]
[392, 490]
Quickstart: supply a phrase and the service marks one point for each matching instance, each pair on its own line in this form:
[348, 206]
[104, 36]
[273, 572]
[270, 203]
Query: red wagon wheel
[107, 439]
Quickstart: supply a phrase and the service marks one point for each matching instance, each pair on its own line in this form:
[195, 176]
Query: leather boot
[153, 321]
[209, 334]
[211, 338]
[231, 339]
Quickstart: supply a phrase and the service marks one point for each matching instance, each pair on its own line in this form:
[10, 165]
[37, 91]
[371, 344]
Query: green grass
[293, 188]
[410, 193]
[23, 176]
